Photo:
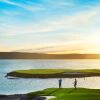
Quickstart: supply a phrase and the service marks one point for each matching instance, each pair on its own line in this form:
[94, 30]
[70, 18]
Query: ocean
[22, 85]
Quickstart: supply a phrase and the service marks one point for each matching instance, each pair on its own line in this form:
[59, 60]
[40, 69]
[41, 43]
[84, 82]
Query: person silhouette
[60, 83]
[75, 83]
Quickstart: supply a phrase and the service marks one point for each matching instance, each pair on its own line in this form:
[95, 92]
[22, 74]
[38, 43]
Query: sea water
[22, 85]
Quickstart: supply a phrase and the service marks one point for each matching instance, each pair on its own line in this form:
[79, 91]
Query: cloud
[68, 48]
[58, 3]
[28, 7]
[78, 22]
[75, 31]
[74, 20]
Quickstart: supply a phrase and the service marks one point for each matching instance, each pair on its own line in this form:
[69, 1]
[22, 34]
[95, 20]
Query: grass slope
[69, 94]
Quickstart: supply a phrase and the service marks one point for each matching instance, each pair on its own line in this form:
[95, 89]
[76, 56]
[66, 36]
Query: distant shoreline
[23, 55]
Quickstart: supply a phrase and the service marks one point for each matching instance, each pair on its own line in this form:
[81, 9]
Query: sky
[50, 26]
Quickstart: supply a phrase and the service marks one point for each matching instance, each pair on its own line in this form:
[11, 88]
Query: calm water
[12, 86]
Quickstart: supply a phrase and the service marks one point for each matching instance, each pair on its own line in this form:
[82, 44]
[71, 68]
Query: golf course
[67, 94]
[60, 93]
[54, 73]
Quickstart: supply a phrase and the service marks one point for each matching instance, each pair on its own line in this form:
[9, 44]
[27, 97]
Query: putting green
[54, 73]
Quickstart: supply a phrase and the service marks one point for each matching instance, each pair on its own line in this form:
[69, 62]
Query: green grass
[42, 71]
[69, 94]
[54, 71]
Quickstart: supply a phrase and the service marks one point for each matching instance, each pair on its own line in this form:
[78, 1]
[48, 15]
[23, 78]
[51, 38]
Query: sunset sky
[50, 26]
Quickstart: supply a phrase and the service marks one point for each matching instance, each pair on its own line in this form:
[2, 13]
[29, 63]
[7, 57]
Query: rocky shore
[14, 97]
[21, 97]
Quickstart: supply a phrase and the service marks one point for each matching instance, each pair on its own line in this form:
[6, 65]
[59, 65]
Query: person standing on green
[60, 83]
[75, 83]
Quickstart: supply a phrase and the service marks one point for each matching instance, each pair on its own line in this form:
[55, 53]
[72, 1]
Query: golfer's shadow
[53, 92]
[71, 91]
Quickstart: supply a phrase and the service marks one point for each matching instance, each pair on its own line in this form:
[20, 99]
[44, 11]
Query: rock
[39, 98]
[13, 97]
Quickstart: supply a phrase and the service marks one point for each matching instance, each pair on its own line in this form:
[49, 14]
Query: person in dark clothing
[60, 83]
[75, 83]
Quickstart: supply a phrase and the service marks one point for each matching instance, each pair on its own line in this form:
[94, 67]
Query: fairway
[69, 94]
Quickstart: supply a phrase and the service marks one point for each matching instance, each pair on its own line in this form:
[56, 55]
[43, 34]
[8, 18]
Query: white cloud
[28, 7]
[80, 22]
[58, 3]
[83, 24]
